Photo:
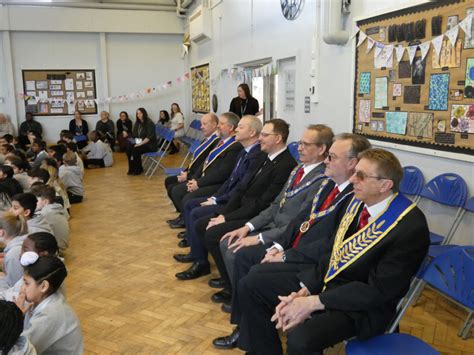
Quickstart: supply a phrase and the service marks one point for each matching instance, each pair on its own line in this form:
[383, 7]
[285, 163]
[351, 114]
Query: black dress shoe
[226, 307]
[195, 271]
[178, 224]
[175, 220]
[183, 243]
[223, 296]
[229, 341]
[216, 283]
[183, 258]
[181, 235]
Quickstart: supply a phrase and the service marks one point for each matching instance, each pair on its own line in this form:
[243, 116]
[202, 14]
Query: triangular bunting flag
[411, 53]
[437, 44]
[362, 37]
[452, 34]
[370, 44]
[466, 25]
[400, 51]
[378, 49]
[424, 48]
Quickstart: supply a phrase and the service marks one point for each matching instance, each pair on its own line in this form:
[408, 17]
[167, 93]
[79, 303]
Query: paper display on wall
[43, 95]
[462, 118]
[438, 97]
[69, 84]
[381, 87]
[396, 122]
[364, 83]
[364, 111]
[469, 83]
[420, 124]
[30, 85]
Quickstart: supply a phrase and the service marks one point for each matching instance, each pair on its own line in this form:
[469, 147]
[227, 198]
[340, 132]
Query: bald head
[209, 124]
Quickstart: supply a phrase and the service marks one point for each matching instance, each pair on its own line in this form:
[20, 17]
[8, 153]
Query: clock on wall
[291, 9]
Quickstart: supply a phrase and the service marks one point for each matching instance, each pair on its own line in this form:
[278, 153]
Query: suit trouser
[170, 182]
[258, 295]
[247, 261]
[210, 240]
[180, 194]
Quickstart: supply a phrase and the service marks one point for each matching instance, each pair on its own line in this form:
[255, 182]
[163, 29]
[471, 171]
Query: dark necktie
[331, 197]
[298, 177]
[220, 144]
[363, 218]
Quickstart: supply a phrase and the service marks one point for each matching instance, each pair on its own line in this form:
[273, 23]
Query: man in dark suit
[307, 233]
[215, 169]
[247, 133]
[267, 180]
[209, 123]
[381, 242]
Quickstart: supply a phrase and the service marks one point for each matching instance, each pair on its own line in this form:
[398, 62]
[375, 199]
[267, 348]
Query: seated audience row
[324, 249]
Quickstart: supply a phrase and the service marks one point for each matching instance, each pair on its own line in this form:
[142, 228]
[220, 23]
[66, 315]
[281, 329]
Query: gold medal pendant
[304, 227]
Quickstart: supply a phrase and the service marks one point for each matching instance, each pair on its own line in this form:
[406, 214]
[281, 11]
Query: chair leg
[466, 328]
[417, 295]
[409, 299]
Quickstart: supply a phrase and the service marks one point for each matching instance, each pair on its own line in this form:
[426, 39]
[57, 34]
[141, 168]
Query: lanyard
[242, 111]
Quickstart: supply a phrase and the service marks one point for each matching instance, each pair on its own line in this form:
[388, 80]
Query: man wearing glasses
[354, 290]
[299, 245]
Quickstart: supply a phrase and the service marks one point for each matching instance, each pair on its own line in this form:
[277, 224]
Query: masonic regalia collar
[347, 251]
[289, 192]
[214, 154]
[202, 148]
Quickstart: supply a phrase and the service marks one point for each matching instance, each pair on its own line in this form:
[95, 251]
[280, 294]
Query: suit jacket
[273, 221]
[319, 238]
[197, 166]
[370, 288]
[240, 174]
[220, 169]
[262, 188]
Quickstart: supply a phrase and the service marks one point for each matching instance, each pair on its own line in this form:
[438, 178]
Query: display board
[201, 93]
[59, 92]
[414, 81]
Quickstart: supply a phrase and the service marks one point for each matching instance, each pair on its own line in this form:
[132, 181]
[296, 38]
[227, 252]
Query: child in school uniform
[25, 205]
[50, 323]
[11, 327]
[13, 231]
[41, 243]
[19, 169]
[54, 213]
[97, 152]
[71, 175]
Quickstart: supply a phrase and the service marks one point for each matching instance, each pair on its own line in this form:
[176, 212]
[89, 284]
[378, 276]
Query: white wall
[242, 34]
[130, 50]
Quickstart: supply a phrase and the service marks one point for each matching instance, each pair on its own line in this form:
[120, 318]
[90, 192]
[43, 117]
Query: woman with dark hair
[164, 118]
[176, 125]
[124, 130]
[11, 326]
[144, 141]
[244, 103]
[79, 128]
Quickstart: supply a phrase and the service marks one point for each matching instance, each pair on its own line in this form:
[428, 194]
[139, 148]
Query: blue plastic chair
[176, 171]
[451, 274]
[390, 344]
[449, 190]
[192, 133]
[155, 158]
[80, 138]
[293, 148]
[412, 182]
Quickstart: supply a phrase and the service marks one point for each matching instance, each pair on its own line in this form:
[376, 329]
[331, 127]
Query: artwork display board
[59, 92]
[414, 81]
[200, 86]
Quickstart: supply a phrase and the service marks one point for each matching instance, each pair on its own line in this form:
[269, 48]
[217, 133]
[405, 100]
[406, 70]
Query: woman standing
[177, 125]
[144, 142]
[124, 130]
[244, 103]
[106, 129]
[79, 128]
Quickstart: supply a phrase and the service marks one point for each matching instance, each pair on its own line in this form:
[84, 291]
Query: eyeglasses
[332, 157]
[306, 144]
[360, 175]
[263, 134]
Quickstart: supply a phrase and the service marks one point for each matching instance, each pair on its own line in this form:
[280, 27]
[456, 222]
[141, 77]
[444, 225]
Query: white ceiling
[129, 2]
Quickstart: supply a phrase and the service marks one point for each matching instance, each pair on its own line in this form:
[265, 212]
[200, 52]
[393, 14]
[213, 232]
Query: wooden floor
[121, 278]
